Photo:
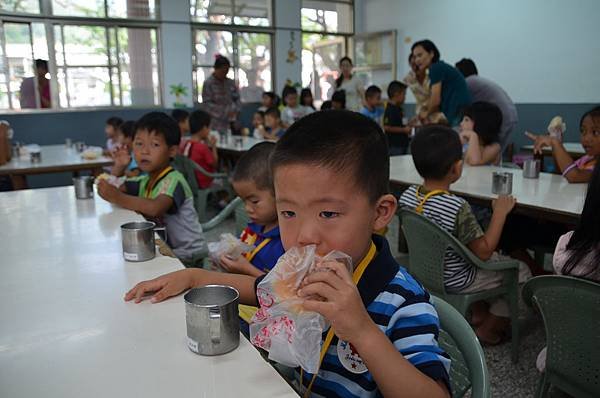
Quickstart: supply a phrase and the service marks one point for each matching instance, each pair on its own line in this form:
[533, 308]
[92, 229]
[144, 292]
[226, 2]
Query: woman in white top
[352, 86]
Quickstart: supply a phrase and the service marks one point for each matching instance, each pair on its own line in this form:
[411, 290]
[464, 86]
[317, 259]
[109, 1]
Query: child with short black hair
[272, 130]
[306, 98]
[393, 119]
[331, 179]
[125, 163]
[268, 100]
[258, 120]
[292, 110]
[202, 147]
[110, 129]
[162, 195]
[480, 133]
[182, 116]
[437, 154]
[372, 107]
[338, 100]
[252, 182]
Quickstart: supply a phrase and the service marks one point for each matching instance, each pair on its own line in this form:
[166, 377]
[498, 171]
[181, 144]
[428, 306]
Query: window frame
[349, 3]
[49, 20]
[271, 25]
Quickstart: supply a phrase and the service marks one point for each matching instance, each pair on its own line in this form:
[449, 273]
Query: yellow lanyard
[250, 256]
[152, 184]
[421, 205]
[358, 273]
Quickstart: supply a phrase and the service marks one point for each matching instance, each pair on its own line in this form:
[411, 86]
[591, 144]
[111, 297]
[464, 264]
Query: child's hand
[212, 140]
[163, 287]
[107, 191]
[239, 265]
[539, 142]
[342, 305]
[504, 204]
[465, 136]
[122, 157]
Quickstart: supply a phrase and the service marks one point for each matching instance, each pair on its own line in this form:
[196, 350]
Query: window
[249, 54]
[236, 12]
[326, 27]
[89, 62]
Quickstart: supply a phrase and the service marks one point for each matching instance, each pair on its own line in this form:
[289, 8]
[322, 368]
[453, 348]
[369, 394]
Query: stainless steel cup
[502, 183]
[84, 187]
[211, 315]
[36, 157]
[68, 142]
[138, 240]
[80, 146]
[531, 168]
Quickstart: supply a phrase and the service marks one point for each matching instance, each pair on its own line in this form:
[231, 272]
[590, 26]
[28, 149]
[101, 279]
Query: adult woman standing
[449, 91]
[351, 85]
[220, 96]
[417, 81]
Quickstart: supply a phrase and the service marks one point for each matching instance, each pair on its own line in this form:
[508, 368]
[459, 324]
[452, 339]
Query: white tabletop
[54, 158]
[573, 148]
[237, 143]
[65, 330]
[550, 193]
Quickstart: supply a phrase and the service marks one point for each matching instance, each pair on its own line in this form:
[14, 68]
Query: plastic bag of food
[291, 335]
[111, 179]
[229, 246]
[557, 127]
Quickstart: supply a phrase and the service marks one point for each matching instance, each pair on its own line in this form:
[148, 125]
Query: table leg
[19, 181]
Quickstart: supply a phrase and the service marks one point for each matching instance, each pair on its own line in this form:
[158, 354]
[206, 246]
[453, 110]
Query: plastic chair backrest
[570, 308]
[427, 244]
[186, 167]
[468, 368]
[241, 218]
[231, 208]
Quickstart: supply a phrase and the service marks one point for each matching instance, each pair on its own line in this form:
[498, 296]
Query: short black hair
[467, 67]
[287, 90]
[274, 111]
[41, 63]
[114, 121]
[198, 120]
[128, 128]
[342, 141]
[487, 120]
[160, 123]
[254, 166]
[372, 91]
[326, 105]
[395, 87]
[434, 150]
[221, 61]
[339, 96]
[428, 46]
[593, 113]
[180, 115]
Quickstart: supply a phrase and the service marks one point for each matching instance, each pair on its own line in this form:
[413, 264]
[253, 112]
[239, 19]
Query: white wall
[540, 51]
[287, 20]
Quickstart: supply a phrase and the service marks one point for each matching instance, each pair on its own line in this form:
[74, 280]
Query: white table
[550, 196]
[575, 149]
[65, 330]
[55, 159]
[237, 144]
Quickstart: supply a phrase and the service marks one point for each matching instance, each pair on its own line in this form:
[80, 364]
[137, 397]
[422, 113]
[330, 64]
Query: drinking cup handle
[163, 230]
[215, 325]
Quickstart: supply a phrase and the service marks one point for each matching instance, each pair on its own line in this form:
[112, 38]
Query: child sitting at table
[202, 147]
[258, 120]
[393, 124]
[125, 163]
[373, 108]
[437, 154]
[479, 132]
[335, 199]
[581, 169]
[182, 117]
[338, 100]
[272, 130]
[162, 195]
[269, 100]
[252, 182]
[292, 110]
[110, 129]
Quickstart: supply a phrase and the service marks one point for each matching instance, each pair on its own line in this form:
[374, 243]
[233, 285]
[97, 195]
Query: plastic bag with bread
[228, 245]
[281, 326]
[557, 128]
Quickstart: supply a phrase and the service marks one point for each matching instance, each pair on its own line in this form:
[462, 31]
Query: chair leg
[513, 300]
[542, 387]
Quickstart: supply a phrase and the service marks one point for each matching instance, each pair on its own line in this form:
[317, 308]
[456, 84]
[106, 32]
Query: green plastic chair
[468, 369]
[427, 244]
[235, 207]
[188, 167]
[570, 308]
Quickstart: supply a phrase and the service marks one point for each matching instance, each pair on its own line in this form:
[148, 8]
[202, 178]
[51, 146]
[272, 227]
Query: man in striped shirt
[437, 154]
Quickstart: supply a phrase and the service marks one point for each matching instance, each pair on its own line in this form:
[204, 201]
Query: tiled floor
[507, 379]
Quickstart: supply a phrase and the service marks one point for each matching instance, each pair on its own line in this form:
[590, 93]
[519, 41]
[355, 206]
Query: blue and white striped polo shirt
[401, 308]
